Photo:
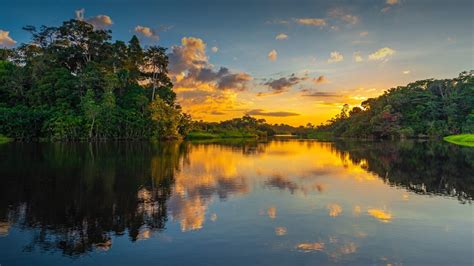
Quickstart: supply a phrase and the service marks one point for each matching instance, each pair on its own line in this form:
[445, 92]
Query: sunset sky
[286, 61]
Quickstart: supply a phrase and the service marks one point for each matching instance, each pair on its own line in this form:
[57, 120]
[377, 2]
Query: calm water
[276, 203]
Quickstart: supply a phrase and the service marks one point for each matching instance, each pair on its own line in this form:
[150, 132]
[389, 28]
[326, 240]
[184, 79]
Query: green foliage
[4, 139]
[70, 82]
[426, 108]
[462, 139]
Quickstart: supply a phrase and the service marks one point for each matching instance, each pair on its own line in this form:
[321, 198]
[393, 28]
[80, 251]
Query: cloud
[340, 14]
[319, 94]
[189, 56]
[278, 21]
[320, 79]
[214, 49]
[5, 39]
[99, 21]
[203, 89]
[392, 2]
[281, 36]
[406, 72]
[284, 83]
[235, 81]
[272, 55]
[316, 246]
[80, 14]
[335, 57]
[311, 22]
[260, 112]
[357, 57]
[383, 54]
[189, 67]
[389, 4]
[146, 31]
[363, 33]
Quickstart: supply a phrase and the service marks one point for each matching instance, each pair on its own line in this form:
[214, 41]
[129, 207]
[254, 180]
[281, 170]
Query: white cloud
[406, 72]
[146, 31]
[5, 39]
[99, 21]
[357, 57]
[281, 36]
[311, 21]
[335, 57]
[214, 49]
[383, 54]
[272, 55]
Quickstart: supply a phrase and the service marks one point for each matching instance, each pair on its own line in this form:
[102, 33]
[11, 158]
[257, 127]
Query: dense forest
[425, 108]
[72, 82]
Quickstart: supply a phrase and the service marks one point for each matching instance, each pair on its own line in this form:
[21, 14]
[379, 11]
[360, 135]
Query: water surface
[287, 202]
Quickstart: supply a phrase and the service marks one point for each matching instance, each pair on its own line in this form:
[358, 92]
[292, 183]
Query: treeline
[72, 82]
[425, 108]
[247, 127]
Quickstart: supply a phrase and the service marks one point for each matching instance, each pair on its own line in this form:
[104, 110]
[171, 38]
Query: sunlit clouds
[281, 36]
[284, 83]
[272, 55]
[383, 54]
[261, 112]
[335, 57]
[344, 16]
[320, 79]
[357, 57]
[202, 88]
[5, 39]
[280, 231]
[146, 31]
[99, 21]
[311, 22]
[315, 246]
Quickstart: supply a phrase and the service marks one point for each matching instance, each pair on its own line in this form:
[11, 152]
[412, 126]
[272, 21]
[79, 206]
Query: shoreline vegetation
[72, 82]
[4, 139]
[462, 139]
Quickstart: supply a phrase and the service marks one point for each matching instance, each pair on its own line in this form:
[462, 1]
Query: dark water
[276, 203]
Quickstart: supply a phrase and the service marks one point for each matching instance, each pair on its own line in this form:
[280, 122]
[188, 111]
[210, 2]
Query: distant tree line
[73, 82]
[425, 108]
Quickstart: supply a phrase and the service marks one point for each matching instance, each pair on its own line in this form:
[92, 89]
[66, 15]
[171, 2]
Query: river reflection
[278, 202]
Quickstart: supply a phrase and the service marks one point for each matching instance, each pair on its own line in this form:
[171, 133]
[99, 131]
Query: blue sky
[423, 39]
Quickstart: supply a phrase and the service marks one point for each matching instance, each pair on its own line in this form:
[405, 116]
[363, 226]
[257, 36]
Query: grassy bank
[320, 135]
[219, 135]
[4, 139]
[462, 139]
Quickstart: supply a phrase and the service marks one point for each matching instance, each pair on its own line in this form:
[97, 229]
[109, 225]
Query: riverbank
[462, 139]
[220, 135]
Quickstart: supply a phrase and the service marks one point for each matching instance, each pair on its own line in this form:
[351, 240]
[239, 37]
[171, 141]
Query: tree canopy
[425, 108]
[73, 82]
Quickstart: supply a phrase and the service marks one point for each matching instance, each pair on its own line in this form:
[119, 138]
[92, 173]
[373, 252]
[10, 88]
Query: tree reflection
[75, 196]
[422, 167]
